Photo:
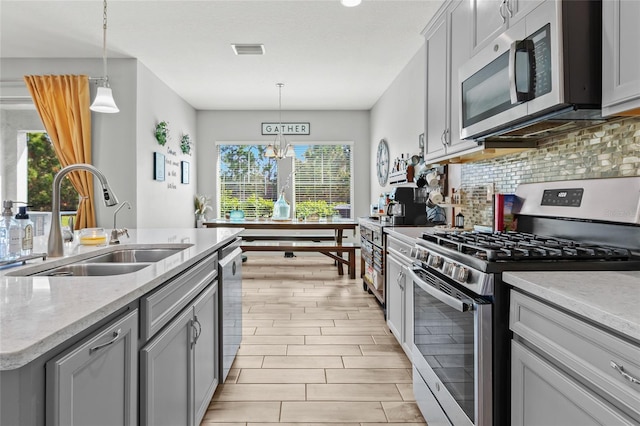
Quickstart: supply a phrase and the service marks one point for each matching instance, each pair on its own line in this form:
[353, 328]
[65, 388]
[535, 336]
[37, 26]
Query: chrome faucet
[115, 232]
[56, 246]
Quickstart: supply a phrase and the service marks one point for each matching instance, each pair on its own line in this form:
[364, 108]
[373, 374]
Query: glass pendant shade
[104, 101]
[270, 152]
[289, 152]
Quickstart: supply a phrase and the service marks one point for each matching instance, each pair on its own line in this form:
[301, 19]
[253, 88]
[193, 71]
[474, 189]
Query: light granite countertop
[39, 313]
[609, 298]
[406, 233]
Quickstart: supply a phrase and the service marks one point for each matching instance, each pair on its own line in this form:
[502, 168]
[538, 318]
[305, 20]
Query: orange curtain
[63, 104]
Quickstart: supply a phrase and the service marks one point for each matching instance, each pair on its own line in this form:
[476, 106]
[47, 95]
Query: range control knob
[447, 268]
[459, 273]
[424, 255]
[434, 261]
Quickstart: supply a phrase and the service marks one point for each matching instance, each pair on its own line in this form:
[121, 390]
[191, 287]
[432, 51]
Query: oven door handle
[456, 304]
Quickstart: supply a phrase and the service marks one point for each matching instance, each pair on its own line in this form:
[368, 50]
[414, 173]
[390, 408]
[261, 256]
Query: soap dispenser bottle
[12, 246]
[26, 231]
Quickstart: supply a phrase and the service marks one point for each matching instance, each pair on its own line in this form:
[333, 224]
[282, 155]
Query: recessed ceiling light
[248, 49]
[350, 3]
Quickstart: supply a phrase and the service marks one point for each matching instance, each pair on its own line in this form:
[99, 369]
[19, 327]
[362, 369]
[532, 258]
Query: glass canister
[281, 208]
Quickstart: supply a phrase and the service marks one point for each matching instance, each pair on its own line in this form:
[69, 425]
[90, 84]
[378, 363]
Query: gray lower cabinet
[206, 358]
[399, 294]
[566, 371]
[95, 382]
[541, 394]
[178, 366]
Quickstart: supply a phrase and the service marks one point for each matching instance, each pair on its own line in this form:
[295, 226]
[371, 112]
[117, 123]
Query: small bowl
[93, 236]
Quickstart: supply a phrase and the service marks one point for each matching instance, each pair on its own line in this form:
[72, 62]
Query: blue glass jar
[281, 208]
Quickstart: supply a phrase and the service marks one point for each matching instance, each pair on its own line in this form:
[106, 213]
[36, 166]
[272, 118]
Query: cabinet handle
[443, 137]
[197, 330]
[507, 4]
[502, 4]
[116, 334]
[620, 369]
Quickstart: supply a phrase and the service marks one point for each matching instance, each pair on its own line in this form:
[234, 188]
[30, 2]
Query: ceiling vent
[248, 49]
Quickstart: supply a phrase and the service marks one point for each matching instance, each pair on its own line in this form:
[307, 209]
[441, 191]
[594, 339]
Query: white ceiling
[327, 55]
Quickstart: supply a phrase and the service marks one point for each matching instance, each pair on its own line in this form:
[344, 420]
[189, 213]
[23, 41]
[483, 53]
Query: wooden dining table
[338, 226]
[288, 239]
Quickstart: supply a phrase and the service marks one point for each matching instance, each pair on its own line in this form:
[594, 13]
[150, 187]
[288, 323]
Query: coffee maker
[403, 210]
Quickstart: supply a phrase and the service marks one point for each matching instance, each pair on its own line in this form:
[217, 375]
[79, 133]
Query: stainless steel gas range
[461, 349]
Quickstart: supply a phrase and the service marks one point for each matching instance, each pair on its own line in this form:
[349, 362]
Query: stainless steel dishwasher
[230, 288]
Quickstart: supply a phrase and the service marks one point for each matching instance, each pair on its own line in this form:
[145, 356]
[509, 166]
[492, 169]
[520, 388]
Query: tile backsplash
[608, 150]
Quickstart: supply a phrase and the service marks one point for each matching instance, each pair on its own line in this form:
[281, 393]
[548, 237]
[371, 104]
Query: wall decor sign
[287, 128]
[184, 166]
[158, 166]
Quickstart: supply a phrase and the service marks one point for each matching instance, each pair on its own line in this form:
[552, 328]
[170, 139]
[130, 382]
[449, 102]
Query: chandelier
[104, 97]
[279, 149]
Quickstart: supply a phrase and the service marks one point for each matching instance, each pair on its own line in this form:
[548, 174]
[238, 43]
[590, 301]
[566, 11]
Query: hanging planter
[185, 144]
[162, 132]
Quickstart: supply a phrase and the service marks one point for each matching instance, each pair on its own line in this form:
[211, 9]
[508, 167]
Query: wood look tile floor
[315, 350]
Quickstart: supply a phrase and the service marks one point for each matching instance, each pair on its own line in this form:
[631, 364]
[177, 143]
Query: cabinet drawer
[158, 308]
[399, 245]
[399, 248]
[589, 352]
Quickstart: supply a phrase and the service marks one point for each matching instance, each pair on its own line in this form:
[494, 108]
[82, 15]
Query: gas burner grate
[518, 246]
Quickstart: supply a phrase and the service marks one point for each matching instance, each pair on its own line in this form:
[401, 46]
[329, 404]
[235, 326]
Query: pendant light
[350, 3]
[104, 97]
[279, 149]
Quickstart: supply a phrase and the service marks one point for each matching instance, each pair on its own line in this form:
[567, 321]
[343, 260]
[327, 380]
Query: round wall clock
[382, 162]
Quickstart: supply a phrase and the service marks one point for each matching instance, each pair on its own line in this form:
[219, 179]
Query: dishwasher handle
[229, 248]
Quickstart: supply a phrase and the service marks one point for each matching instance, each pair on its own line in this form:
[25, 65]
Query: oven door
[451, 351]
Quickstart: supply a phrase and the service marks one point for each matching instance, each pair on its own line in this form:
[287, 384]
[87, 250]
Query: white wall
[399, 117]
[246, 126]
[169, 203]
[122, 143]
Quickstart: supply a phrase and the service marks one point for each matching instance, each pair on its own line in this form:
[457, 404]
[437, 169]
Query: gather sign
[287, 128]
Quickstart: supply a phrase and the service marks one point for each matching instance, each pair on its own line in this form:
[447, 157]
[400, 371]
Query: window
[247, 180]
[323, 180]
[320, 185]
[42, 165]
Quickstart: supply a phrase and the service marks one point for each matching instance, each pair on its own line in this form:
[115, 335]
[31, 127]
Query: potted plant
[201, 205]
[185, 144]
[162, 132]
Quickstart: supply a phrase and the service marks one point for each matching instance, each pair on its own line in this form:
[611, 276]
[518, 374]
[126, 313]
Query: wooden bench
[330, 249]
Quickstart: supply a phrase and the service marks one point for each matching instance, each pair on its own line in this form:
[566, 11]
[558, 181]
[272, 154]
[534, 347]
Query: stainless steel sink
[134, 255]
[122, 260]
[92, 269]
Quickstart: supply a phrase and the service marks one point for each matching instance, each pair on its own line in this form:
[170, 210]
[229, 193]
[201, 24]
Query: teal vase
[281, 208]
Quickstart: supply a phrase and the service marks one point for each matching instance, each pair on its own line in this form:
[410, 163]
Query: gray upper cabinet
[489, 18]
[437, 81]
[620, 57]
[178, 367]
[448, 46]
[95, 382]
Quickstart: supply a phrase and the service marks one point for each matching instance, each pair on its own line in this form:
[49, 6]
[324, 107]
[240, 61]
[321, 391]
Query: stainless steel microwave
[541, 76]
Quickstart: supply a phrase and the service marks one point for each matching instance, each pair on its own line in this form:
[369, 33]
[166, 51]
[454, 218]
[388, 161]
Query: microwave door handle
[517, 94]
[456, 304]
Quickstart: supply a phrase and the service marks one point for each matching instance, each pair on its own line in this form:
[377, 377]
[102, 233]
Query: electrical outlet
[490, 192]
